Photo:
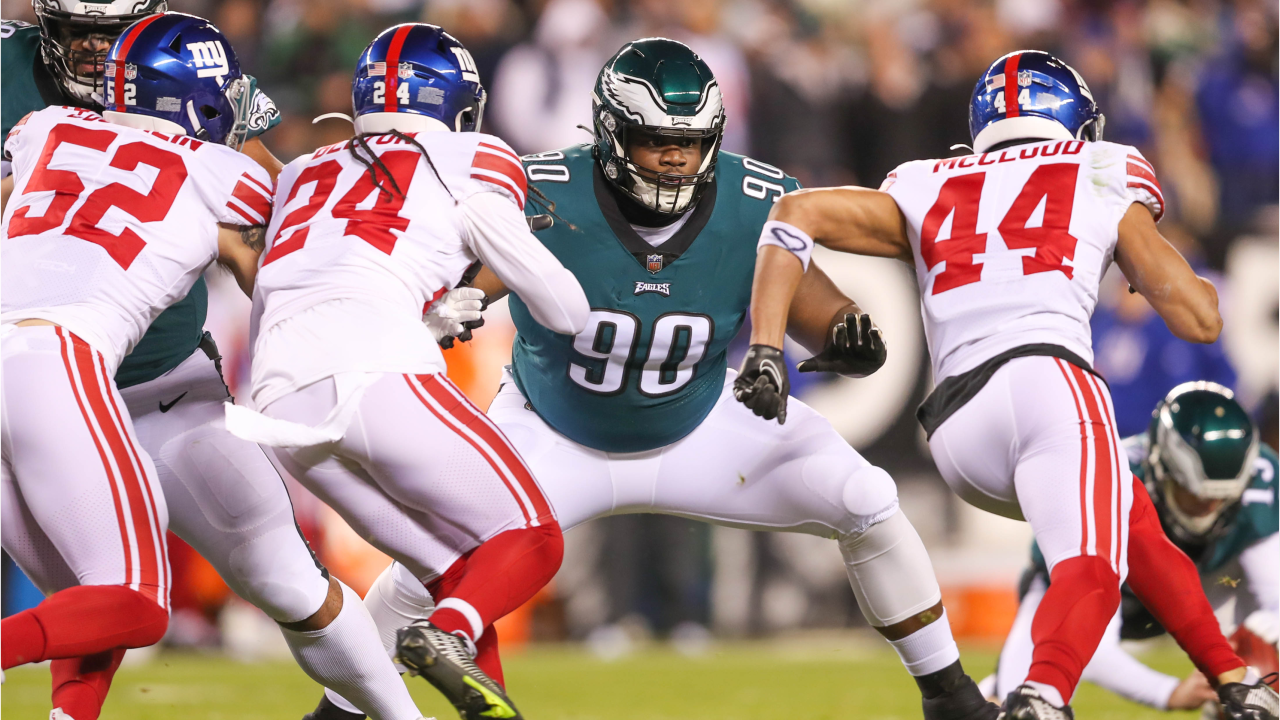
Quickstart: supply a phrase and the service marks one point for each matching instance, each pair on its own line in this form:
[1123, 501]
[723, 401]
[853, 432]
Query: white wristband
[789, 238]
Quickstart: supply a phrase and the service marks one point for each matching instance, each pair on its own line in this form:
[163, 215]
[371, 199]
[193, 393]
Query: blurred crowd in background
[833, 92]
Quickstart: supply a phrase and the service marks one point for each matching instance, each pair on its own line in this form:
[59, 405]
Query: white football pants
[81, 504]
[226, 499]
[1039, 443]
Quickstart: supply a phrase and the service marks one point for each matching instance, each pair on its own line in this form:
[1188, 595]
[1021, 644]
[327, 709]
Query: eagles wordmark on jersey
[651, 363]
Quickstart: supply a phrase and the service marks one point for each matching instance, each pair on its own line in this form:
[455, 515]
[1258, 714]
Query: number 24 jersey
[1010, 246]
[108, 225]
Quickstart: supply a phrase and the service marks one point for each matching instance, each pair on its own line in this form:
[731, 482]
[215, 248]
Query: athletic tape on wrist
[789, 238]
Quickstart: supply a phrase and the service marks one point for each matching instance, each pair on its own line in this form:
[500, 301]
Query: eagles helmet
[1050, 102]
[63, 22]
[177, 73]
[415, 76]
[657, 86]
[1203, 443]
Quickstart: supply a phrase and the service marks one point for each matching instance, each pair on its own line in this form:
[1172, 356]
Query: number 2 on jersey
[678, 343]
[1054, 184]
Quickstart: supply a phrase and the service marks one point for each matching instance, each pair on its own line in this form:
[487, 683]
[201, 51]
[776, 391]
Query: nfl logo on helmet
[653, 263]
[405, 71]
[130, 71]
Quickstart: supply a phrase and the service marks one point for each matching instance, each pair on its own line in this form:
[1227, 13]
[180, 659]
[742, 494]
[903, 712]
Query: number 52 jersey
[1011, 245]
[108, 225]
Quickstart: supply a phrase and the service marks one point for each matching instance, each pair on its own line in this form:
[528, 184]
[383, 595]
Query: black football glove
[856, 349]
[762, 383]
[539, 222]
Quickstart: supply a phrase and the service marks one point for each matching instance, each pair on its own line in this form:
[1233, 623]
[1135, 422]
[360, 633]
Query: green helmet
[658, 86]
[1202, 441]
[62, 22]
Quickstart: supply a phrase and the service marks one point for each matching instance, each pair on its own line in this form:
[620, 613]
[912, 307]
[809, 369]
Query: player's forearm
[261, 155]
[1121, 673]
[817, 305]
[489, 283]
[1188, 304]
[778, 274]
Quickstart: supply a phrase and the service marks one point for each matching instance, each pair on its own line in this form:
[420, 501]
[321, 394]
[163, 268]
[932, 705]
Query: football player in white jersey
[1009, 245]
[350, 382]
[112, 221]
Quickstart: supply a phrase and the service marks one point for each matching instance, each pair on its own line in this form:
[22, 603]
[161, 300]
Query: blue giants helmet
[415, 76]
[177, 73]
[1051, 102]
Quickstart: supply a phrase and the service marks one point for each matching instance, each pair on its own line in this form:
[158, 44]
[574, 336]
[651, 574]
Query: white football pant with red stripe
[1039, 442]
[421, 473]
[81, 504]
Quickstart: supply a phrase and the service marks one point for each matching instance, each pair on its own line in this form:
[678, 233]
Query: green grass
[825, 679]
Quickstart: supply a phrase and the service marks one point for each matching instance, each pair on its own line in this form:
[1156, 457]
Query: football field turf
[852, 679]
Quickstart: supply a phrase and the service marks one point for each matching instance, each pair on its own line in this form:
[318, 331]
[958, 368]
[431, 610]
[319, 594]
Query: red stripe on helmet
[126, 43]
[1011, 85]
[393, 66]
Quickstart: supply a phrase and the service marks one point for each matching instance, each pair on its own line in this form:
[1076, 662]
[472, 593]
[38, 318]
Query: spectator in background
[542, 89]
[488, 28]
[1139, 357]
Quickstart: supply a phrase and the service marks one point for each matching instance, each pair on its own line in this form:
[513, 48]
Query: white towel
[253, 426]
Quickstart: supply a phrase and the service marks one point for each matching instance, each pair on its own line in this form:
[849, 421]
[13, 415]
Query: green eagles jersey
[651, 363]
[28, 86]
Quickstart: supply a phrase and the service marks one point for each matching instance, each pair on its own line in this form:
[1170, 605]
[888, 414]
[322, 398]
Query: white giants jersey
[354, 261]
[109, 225]
[1010, 245]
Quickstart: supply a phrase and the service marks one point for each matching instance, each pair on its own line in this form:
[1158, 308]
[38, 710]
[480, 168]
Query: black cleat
[1025, 703]
[328, 711]
[1241, 701]
[964, 701]
[446, 661]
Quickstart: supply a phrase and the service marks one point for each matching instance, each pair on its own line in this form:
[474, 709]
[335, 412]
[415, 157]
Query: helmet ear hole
[176, 44]
[209, 112]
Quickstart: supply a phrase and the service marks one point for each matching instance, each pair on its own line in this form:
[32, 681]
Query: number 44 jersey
[1010, 245]
[108, 225]
[650, 364]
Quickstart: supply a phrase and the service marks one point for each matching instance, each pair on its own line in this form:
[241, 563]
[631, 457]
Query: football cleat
[326, 710]
[1249, 701]
[1025, 703]
[57, 714]
[447, 662]
[964, 702]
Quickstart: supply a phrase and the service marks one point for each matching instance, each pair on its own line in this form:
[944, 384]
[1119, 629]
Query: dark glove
[1249, 702]
[539, 222]
[856, 349]
[762, 383]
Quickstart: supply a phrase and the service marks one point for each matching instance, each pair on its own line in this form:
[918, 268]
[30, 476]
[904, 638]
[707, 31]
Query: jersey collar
[670, 250]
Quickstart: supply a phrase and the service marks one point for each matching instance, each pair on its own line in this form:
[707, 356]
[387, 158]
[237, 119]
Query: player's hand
[762, 383]
[540, 222]
[263, 113]
[455, 315]
[856, 349]
[1191, 693]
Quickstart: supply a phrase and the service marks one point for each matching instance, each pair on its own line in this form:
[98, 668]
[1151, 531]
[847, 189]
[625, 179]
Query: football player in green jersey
[1214, 488]
[636, 413]
[225, 497]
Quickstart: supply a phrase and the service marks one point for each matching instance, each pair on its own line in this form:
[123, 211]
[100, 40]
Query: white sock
[348, 657]
[395, 599]
[1048, 693]
[928, 649]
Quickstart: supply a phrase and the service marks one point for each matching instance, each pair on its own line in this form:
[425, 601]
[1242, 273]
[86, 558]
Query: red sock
[1083, 595]
[80, 685]
[1166, 582]
[79, 621]
[487, 655]
[497, 577]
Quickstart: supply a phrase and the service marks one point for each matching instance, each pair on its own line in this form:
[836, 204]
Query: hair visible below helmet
[177, 73]
[1202, 441]
[1050, 102]
[415, 77]
[62, 22]
[657, 86]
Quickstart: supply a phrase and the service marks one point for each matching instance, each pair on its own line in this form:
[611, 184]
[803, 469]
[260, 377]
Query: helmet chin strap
[1194, 524]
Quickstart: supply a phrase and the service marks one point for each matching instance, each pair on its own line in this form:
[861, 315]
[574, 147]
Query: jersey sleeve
[247, 195]
[497, 167]
[1142, 185]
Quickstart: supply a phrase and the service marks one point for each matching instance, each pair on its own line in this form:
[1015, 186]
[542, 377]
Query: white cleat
[57, 714]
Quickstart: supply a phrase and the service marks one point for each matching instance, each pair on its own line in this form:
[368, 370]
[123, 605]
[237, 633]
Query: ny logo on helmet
[211, 56]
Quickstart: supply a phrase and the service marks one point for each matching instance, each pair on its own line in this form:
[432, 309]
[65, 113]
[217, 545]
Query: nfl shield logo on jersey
[653, 263]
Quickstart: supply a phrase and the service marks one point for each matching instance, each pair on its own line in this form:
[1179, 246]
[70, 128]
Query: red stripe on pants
[484, 427]
[1084, 460]
[148, 563]
[1103, 478]
[106, 464]
[450, 423]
